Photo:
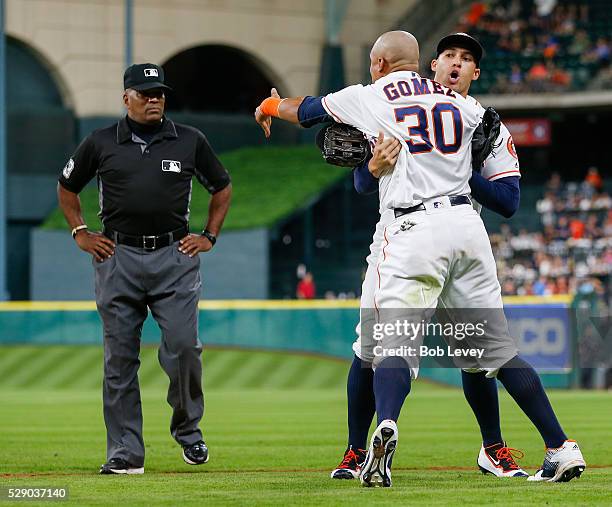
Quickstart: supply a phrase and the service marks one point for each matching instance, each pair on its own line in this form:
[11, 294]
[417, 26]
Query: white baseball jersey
[435, 124]
[440, 255]
[503, 160]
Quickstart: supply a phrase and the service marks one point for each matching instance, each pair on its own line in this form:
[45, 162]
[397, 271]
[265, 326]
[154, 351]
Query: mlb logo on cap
[144, 76]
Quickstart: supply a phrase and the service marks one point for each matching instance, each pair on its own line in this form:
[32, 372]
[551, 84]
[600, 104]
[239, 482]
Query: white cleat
[498, 460]
[561, 464]
[376, 470]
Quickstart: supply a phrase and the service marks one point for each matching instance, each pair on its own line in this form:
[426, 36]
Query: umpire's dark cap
[461, 40]
[144, 76]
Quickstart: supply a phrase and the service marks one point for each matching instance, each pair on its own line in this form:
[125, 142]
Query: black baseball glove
[342, 145]
[485, 135]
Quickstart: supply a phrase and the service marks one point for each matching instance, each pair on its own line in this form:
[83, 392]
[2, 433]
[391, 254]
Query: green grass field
[275, 425]
[269, 183]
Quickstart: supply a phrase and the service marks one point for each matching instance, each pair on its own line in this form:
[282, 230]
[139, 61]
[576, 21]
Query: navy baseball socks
[524, 385]
[361, 404]
[495, 457]
[520, 380]
[391, 386]
[481, 393]
[361, 409]
[563, 460]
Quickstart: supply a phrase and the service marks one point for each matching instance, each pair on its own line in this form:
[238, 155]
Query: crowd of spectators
[573, 250]
[550, 36]
[543, 76]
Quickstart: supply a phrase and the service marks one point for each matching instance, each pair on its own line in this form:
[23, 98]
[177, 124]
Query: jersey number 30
[421, 129]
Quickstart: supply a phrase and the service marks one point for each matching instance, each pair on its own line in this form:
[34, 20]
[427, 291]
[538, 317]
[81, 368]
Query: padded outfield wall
[543, 327]
[60, 271]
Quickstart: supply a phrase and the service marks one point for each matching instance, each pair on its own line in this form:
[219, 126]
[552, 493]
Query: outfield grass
[275, 425]
[268, 184]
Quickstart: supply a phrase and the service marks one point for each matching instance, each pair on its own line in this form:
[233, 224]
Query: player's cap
[461, 40]
[144, 76]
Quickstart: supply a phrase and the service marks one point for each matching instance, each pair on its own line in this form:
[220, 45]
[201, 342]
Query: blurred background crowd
[546, 70]
[305, 213]
[572, 250]
[543, 45]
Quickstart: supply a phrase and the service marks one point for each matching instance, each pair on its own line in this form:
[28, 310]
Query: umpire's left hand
[193, 244]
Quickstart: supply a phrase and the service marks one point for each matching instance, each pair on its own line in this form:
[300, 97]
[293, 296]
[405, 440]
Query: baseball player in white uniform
[496, 185]
[435, 249]
[502, 163]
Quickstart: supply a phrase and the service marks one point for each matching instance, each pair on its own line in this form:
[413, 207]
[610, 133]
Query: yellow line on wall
[278, 304]
[538, 300]
[251, 304]
[47, 306]
[218, 304]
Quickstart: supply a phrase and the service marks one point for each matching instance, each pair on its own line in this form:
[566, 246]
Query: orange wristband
[270, 106]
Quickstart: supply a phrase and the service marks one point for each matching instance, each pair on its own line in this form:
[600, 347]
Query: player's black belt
[455, 200]
[147, 242]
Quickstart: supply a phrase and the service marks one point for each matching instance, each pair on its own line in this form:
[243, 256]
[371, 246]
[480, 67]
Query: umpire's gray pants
[167, 282]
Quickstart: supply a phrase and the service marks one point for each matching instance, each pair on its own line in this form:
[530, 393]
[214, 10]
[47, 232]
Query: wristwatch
[210, 236]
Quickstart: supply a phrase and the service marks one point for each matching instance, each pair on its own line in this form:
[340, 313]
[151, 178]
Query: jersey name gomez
[434, 123]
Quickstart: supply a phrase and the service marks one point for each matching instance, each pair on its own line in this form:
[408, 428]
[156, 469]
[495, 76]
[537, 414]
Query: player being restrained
[434, 201]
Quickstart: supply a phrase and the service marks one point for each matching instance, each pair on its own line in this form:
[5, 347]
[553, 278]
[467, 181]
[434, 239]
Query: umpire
[146, 258]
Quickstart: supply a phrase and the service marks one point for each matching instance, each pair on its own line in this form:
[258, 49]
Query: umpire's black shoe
[195, 454]
[120, 466]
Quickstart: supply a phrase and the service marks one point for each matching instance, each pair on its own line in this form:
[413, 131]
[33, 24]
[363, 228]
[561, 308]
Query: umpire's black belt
[147, 242]
[455, 200]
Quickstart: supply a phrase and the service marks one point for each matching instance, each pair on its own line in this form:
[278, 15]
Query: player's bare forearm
[288, 109]
[217, 209]
[71, 206]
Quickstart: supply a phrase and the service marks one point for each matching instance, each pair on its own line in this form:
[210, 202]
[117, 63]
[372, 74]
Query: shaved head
[393, 51]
